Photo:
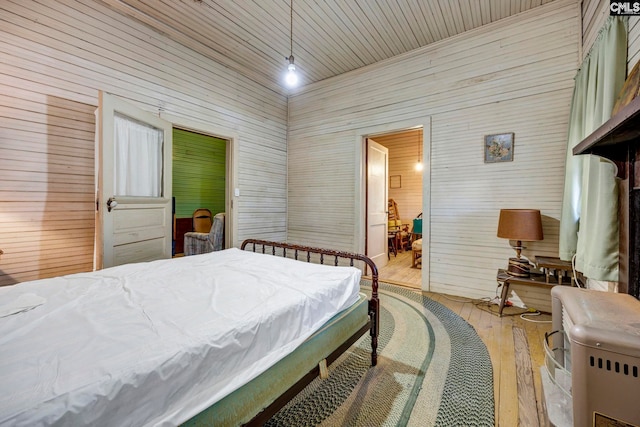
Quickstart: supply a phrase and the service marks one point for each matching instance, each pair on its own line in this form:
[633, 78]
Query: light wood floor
[515, 346]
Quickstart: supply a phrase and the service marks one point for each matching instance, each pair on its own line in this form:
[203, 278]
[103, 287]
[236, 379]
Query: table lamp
[519, 225]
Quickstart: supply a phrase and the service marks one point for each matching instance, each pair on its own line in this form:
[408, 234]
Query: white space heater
[591, 375]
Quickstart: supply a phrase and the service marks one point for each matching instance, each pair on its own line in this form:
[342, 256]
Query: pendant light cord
[291, 78]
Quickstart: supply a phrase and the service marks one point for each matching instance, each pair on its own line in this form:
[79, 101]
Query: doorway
[199, 179]
[404, 193]
[408, 143]
[168, 123]
[231, 190]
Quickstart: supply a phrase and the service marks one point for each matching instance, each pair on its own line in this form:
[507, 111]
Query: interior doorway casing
[231, 215]
[361, 184]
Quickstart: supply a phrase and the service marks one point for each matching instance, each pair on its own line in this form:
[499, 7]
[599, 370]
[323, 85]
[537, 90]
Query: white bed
[103, 346]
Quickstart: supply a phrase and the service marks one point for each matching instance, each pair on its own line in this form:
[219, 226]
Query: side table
[537, 280]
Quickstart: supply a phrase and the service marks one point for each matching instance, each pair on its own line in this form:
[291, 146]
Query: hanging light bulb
[292, 77]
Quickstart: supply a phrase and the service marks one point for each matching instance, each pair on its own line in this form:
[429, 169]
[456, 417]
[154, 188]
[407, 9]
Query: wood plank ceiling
[330, 37]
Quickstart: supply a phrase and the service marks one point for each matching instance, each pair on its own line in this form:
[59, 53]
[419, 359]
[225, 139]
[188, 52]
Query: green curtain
[589, 221]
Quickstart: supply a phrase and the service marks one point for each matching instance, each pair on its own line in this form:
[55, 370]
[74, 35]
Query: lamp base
[518, 267]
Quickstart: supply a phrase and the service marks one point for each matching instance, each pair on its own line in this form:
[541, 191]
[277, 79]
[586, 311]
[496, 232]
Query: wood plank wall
[54, 57]
[633, 50]
[403, 156]
[46, 185]
[515, 75]
[199, 173]
[594, 14]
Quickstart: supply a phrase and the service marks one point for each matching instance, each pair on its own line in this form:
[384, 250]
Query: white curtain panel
[138, 158]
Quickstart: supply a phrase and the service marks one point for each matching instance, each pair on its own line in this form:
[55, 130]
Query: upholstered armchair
[202, 243]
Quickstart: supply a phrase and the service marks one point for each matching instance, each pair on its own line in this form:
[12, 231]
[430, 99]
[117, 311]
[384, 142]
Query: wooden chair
[395, 225]
[404, 238]
[202, 220]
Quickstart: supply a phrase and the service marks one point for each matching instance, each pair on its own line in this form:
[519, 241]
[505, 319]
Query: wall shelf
[618, 139]
[621, 129]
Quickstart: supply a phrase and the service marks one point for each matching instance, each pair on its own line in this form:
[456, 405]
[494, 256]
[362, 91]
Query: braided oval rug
[433, 370]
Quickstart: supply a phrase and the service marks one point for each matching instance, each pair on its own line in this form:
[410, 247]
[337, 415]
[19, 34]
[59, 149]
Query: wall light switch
[237, 192]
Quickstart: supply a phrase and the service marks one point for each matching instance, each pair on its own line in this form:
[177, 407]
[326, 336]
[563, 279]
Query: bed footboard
[304, 253]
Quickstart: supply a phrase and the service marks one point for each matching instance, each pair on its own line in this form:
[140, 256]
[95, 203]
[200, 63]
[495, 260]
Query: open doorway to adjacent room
[404, 206]
[199, 179]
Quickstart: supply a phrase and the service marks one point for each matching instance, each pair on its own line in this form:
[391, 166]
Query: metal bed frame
[296, 252]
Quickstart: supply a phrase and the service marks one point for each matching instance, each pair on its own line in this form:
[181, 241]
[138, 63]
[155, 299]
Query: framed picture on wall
[498, 147]
[395, 181]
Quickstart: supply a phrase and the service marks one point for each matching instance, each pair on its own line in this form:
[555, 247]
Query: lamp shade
[520, 224]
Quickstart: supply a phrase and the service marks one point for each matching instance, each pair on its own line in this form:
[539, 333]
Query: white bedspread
[156, 343]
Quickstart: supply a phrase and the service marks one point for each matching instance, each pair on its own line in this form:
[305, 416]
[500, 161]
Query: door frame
[360, 151]
[232, 191]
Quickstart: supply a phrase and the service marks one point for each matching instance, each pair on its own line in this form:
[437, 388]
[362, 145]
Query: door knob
[111, 203]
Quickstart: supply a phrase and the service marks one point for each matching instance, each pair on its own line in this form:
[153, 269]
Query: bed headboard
[257, 245]
[297, 252]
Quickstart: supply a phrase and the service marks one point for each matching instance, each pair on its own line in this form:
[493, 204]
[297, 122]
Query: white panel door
[377, 184]
[134, 184]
